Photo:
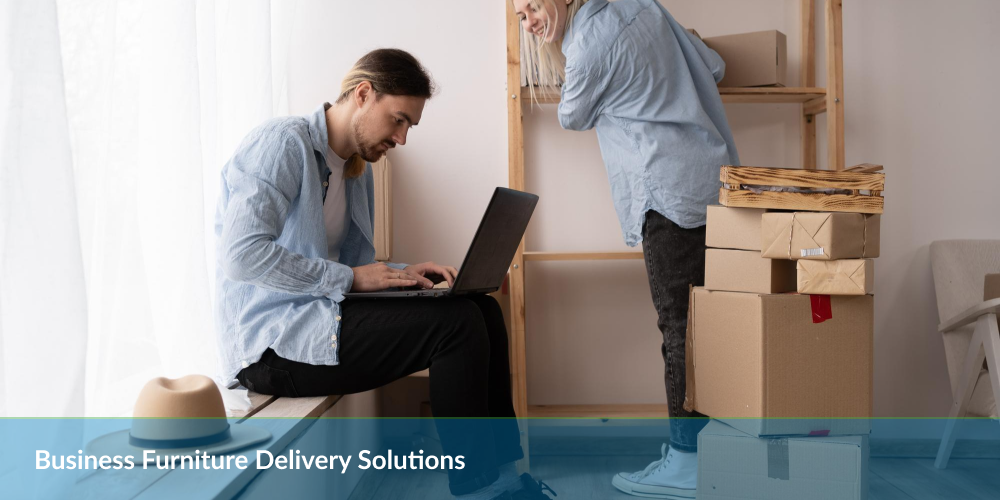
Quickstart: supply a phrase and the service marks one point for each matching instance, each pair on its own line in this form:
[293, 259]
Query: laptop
[490, 254]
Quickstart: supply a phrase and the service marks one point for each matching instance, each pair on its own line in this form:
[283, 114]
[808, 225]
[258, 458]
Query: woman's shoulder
[601, 20]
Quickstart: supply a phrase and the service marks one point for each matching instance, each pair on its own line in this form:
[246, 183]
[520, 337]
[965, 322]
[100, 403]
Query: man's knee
[469, 325]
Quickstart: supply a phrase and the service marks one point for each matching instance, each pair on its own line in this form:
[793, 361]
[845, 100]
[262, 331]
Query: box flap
[728, 355]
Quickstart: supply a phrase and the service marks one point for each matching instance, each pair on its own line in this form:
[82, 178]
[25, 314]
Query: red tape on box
[821, 310]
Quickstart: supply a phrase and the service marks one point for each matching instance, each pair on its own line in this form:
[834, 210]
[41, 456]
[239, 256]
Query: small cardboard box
[747, 271]
[991, 287]
[733, 464]
[756, 59]
[764, 365]
[819, 235]
[734, 228]
[836, 277]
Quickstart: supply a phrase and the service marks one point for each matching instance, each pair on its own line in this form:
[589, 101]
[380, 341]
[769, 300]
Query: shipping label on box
[733, 464]
[747, 271]
[733, 228]
[836, 277]
[756, 59]
[773, 365]
[819, 235]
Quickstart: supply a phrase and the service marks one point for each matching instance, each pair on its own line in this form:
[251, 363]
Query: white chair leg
[970, 375]
[991, 345]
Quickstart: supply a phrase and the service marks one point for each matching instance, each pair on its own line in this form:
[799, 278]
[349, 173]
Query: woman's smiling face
[545, 19]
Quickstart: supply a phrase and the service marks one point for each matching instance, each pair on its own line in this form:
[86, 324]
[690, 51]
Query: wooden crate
[863, 181]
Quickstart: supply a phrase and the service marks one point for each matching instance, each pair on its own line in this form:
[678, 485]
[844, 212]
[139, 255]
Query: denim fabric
[276, 288]
[462, 340]
[649, 88]
[675, 260]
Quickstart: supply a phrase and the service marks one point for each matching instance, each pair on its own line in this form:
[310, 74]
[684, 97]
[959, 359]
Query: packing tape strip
[777, 458]
[821, 308]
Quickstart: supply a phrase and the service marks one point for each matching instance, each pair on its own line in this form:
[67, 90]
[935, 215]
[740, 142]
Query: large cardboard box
[733, 464]
[756, 59]
[819, 235]
[747, 271]
[734, 228]
[991, 287]
[762, 364]
[836, 277]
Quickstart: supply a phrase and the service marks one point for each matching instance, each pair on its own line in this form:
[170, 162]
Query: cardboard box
[762, 365]
[819, 235]
[732, 464]
[756, 59]
[836, 277]
[747, 271]
[734, 228]
[991, 287]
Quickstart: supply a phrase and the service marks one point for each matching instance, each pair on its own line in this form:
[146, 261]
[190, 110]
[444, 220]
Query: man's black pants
[463, 340]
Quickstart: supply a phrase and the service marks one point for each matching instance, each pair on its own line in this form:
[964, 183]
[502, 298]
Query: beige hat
[179, 417]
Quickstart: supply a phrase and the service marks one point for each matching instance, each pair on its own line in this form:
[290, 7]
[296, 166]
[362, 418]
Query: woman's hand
[378, 276]
[435, 272]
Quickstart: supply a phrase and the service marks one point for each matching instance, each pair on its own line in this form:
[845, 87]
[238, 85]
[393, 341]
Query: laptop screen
[496, 240]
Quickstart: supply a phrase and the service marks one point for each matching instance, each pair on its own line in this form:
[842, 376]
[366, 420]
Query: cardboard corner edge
[690, 393]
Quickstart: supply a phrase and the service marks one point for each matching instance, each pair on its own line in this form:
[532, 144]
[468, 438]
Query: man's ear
[362, 93]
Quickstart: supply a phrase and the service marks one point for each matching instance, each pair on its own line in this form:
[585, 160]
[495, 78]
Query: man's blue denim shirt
[275, 286]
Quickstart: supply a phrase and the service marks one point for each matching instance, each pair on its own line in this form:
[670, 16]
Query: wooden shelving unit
[814, 100]
[765, 95]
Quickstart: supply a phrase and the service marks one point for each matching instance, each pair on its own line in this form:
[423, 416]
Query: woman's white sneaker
[675, 475]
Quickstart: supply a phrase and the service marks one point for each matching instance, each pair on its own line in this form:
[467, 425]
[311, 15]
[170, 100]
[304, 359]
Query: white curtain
[118, 118]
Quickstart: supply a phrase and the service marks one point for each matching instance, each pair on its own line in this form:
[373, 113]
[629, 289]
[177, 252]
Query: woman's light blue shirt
[650, 89]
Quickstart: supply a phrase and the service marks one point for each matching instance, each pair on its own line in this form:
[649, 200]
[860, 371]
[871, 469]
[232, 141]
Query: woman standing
[628, 69]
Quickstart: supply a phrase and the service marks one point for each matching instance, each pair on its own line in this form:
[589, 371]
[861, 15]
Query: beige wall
[919, 99]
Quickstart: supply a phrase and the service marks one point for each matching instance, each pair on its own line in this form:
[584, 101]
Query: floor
[587, 478]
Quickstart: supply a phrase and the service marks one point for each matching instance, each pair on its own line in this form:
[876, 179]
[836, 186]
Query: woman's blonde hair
[389, 71]
[543, 63]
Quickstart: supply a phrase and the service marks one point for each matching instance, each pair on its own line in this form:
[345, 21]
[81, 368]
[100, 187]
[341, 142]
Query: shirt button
[333, 338]
[333, 345]
[246, 365]
[337, 318]
[325, 184]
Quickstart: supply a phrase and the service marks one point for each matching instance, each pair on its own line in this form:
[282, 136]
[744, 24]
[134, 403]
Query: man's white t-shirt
[335, 215]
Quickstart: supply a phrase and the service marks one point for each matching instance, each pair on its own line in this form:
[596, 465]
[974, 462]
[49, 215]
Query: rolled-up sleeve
[588, 76]
[263, 180]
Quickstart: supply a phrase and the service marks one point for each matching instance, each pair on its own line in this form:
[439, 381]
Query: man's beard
[367, 151]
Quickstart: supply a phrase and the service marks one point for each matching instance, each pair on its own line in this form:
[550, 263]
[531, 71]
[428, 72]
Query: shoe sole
[651, 491]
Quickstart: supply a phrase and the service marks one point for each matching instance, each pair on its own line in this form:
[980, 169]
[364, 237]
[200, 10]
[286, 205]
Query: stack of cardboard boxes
[780, 353]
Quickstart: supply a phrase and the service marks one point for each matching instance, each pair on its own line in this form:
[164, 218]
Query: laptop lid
[495, 243]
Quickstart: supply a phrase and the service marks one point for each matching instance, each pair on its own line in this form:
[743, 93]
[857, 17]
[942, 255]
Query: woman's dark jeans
[675, 260]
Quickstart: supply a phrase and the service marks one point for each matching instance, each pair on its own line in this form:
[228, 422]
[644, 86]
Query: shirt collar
[318, 131]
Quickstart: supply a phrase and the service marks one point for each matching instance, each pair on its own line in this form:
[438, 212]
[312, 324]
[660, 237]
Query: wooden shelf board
[582, 255]
[769, 95]
[598, 411]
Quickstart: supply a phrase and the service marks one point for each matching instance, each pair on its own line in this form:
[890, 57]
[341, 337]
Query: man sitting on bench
[294, 230]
